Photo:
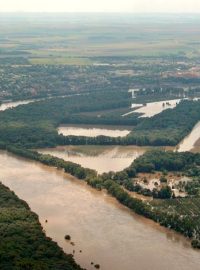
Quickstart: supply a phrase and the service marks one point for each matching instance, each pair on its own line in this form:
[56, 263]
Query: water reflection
[100, 158]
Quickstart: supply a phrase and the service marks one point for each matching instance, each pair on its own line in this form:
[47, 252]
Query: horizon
[103, 6]
[100, 12]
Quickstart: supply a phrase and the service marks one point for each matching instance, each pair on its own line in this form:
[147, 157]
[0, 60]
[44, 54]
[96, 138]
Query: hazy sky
[101, 5]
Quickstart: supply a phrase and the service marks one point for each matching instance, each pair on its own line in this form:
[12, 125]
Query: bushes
[163, 193]
[123, 197]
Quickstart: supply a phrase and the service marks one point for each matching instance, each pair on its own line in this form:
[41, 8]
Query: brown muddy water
[99, 158]
[106, 232]
[189, 141]
[94, 131]
[9, 105]
[153, 108]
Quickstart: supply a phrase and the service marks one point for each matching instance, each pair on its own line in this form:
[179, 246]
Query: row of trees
[69, 167]
[112, 183]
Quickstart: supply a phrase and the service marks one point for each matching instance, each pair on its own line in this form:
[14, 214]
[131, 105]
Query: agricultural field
[187, 207]
[67, 55]
[130, 36]
[184, 211]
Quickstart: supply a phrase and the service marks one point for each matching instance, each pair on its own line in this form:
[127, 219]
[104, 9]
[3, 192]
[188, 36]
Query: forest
[158, 160]
[35, 124]
[23, 243]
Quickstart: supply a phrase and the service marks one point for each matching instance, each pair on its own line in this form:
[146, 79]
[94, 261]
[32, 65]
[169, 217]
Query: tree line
[186, 225]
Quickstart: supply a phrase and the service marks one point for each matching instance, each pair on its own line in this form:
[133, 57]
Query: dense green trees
[158, 160]
[23, 244]
[34, 125]
[164, 193]
[193, 187]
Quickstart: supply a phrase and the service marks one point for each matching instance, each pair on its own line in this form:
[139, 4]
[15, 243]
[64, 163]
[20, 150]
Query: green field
[99, 36]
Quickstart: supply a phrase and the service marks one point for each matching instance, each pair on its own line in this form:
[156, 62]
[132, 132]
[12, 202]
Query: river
[106, 232]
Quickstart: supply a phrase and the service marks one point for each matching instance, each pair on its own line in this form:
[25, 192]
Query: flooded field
[153, 108]
[100, 158]
[12, 104]
[93, 131]
[104, 231]
[8, 105]
[196, 147]
[189, 142]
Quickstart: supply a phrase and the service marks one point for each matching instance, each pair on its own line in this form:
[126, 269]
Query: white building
[134, 91]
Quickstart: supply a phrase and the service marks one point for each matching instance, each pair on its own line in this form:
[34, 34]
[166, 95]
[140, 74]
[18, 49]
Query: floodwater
[93, 131]
[106, 232]
[154, 108]
[8, 105]
[100, 158]
[189, 142]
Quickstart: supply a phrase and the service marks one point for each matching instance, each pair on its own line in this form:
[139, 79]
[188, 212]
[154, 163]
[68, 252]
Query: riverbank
[96, 222]
[165, 218]
[24, 244]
